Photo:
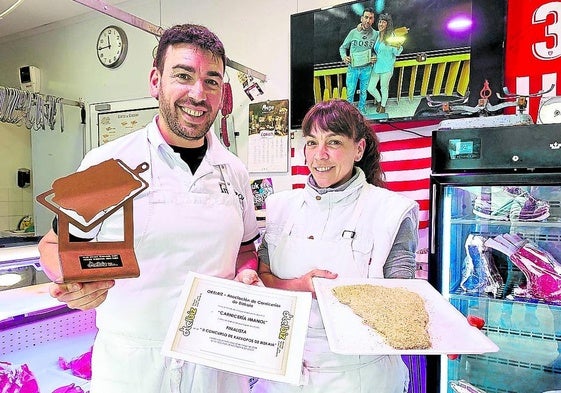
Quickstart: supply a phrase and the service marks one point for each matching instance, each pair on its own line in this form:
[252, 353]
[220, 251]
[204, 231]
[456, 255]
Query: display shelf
[525, 355]
[552, 222]
[496, 376]
[528, 334]
[539, 320]
[466, 296]
[509, 379]
[40, 344]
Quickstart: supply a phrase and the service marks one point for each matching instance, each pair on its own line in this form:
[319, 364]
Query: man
[196, 215]
[356, 52]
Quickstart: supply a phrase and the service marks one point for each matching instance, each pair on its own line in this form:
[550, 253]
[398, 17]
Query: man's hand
[347, 59]
[81, 296]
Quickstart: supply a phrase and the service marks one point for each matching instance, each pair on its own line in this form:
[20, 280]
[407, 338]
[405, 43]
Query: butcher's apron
[324, 371]
[183, 231]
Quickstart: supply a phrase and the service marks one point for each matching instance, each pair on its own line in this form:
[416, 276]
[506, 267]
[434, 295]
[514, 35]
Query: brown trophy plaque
[85, 199]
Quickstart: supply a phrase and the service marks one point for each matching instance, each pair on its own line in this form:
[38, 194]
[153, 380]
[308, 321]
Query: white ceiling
[31, 14]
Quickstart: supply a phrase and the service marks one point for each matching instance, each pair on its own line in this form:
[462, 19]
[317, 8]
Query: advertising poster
[268, 145]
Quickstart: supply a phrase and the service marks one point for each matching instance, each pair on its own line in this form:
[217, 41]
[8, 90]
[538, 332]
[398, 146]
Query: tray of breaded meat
[394, 316]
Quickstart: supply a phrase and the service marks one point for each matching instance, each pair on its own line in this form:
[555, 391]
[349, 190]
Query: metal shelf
[554, 222]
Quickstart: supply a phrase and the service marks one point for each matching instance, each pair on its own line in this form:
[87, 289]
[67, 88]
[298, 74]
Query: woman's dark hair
[389, 26]
[196, 35]
[343, 118]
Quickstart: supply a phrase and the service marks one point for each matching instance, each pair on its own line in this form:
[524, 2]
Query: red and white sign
[533, 49]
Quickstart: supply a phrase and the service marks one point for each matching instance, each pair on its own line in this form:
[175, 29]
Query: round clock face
[112, 46]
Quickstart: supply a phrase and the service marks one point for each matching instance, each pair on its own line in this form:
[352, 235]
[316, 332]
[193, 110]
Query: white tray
[449, 330]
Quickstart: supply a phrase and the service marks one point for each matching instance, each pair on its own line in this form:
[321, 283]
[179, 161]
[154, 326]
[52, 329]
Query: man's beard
[169, 113]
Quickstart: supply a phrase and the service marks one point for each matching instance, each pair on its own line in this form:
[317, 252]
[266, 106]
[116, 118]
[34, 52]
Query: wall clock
[112, 45]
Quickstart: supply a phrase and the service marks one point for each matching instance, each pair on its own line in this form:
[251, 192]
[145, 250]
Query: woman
[342, 224]
[387, 48]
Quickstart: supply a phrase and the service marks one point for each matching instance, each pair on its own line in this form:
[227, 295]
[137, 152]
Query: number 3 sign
[533, 48]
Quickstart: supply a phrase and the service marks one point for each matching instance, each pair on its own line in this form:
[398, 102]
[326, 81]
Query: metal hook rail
[151, 28]
[34, 110]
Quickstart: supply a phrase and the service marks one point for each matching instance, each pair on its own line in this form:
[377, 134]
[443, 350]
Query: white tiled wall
[14, 204]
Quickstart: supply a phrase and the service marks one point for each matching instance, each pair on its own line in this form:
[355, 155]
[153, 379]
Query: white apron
[324, 371]
[181, 231]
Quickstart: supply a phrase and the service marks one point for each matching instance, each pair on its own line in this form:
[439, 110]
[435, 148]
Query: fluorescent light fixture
[11, 8]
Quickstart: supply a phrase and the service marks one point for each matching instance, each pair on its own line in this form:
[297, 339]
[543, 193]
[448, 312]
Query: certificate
[359, 59]
[245, 329]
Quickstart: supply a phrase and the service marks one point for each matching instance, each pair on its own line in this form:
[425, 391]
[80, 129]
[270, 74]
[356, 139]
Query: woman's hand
[249, 277]
[306, 283]
[81, 296]
[303, 283]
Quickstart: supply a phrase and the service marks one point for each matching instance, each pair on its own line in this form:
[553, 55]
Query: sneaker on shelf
[510, 204]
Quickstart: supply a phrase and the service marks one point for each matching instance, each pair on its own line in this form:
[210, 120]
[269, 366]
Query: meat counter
[36, 329]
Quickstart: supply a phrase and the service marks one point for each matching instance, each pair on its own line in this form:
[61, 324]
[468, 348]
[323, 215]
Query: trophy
[85, 199]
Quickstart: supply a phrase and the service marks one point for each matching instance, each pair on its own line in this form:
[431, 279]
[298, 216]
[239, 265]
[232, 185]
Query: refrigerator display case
[495, 254]
[36, 330]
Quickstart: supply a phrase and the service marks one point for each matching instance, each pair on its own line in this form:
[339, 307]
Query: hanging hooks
[33, 110]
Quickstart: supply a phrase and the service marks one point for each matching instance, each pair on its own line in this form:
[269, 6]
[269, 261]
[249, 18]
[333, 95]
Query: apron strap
[230, 188]
[290, 221]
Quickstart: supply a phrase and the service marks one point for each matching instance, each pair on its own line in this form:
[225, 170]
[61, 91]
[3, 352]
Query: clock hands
[107, 46]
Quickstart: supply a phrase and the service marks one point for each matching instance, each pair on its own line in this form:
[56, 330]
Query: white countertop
[19, 253]
[26, 301]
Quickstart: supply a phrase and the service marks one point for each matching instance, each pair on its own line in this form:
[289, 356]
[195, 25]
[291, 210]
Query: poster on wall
[112, 125]
[268, 136]
[261, 189]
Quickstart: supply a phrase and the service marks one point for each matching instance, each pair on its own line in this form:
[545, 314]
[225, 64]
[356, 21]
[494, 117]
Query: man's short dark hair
[196, 35]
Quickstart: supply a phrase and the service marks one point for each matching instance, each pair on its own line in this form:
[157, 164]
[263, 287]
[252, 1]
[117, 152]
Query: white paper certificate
[245, 329]
[359, 59]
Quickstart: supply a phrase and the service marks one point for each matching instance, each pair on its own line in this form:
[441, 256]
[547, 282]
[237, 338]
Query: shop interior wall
[256, 33]
[15, 153]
